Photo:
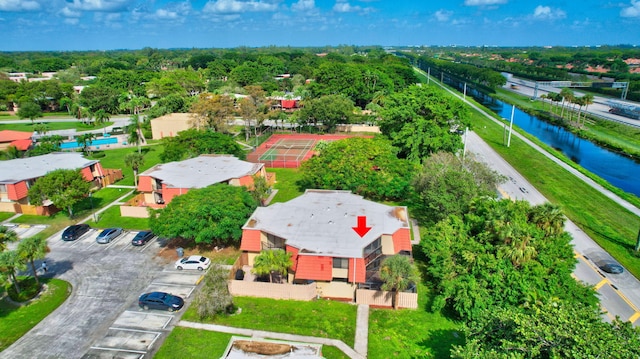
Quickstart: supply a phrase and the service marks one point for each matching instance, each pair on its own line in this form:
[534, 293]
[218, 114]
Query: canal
[619, 170]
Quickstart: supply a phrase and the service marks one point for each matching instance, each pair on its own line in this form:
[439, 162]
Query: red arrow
[362, 228]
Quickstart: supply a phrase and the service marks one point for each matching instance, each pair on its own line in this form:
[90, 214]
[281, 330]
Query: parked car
[142, 238]
[160, 300]
[611, 267]
[74, 232]
[108, 235]
[193, 262]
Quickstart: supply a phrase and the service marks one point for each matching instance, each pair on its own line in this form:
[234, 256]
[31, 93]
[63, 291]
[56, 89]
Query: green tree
[96, 97]
[330, 110]
[398, 273]
[84, 141]
[274, 262]
[33, 248]
[214, 297]
[101, 116]
[212, 112]
[41, 128]
[192, 143]
[30, 110]
[63, 187]
[135, 132]
[260, 190]
[496, 257]
[135, 161]
[553, 329]
[366, 166]
[422, 120]
[6, 235]
[446, 185]
[214, 214]
[10, 263]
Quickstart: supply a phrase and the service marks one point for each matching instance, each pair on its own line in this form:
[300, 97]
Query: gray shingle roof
[202, 171]
[13, 171]
[321, 222]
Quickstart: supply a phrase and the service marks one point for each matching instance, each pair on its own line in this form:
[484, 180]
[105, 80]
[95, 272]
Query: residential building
[17, 176]
[19, 139]
[170, 125]
[317, 228]
[161, 183]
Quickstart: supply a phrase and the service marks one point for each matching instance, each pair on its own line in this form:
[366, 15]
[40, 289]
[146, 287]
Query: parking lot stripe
[120, 350]
[601, 283]
[135, 330]
[634, 317]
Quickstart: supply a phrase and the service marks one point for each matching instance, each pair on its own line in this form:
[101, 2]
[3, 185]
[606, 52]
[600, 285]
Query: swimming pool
[96, 142]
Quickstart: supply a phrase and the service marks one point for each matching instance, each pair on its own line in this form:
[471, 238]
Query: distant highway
[598, 108]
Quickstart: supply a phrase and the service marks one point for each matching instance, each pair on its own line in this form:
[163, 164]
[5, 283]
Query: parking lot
[101, 318]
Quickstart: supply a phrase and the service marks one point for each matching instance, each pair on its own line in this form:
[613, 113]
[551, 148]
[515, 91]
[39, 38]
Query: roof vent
[330, 222]
[311, 215]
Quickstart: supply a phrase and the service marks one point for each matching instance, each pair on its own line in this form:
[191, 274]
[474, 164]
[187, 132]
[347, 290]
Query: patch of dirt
[262, 348]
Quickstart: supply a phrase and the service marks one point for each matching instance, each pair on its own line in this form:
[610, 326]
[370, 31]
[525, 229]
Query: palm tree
[10, 262]
[67, 103]
[41, 128]
[101, 116]
[33, 248]
[135, 132]
[6, 235]
[519, 251]
[135, 161]
[567, 95]
[84, 141]
[548, 217]
[271, 262]
[398, 274]
[586, 101]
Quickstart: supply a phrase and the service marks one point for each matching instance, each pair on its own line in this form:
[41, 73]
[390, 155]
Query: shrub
[214, 297]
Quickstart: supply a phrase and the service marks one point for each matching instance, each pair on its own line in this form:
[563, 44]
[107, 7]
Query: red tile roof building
[16, 176]
[21, 140]
[317, 229]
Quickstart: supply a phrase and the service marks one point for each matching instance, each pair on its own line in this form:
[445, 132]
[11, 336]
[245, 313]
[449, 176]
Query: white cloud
[71, 21]
[19, 5]
[344, 6]
[548, 13]
[484, 2]
[66, 12]
[631, 11]
[303, 5]
[173, 12]
[443, 15]
[239, 6]
[99, 5]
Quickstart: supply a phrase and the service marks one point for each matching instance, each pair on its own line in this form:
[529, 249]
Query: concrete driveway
[101, 318]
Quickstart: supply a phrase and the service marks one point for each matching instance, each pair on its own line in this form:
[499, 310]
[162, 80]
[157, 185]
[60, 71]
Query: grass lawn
[52, 126]
[112, 218]
[6, 215]
[412, 333]
[322, 318]
[115, 159]
[17, 320]
[286, 179]
[204, 344]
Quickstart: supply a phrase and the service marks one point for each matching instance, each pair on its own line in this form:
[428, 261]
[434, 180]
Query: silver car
[108, 235]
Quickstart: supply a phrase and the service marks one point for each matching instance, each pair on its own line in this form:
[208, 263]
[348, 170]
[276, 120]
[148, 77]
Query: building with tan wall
[169, 125]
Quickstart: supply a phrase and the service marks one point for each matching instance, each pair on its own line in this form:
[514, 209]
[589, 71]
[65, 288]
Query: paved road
[619, 293]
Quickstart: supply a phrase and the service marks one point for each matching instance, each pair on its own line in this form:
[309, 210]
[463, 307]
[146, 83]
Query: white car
[193, 262]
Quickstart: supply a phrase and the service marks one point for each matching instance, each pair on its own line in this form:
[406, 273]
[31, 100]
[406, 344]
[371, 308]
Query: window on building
[341, 263]
[373, 246]
[3, 188]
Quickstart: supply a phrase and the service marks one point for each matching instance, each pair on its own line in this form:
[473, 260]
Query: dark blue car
[142, 238]
[160, 300]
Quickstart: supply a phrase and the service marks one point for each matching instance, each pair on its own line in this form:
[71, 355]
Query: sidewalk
[273, 335]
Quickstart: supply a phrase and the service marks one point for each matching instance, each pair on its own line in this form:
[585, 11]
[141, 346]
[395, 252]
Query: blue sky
[131, 24]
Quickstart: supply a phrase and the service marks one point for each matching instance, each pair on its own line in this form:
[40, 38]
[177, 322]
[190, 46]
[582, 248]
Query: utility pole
[513, 109]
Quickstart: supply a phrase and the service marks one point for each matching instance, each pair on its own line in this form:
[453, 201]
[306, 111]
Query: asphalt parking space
[143, 319]
[183, 291]
[179, 277]
[124, 339]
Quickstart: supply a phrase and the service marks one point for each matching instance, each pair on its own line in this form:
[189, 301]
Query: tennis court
[288, 151]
